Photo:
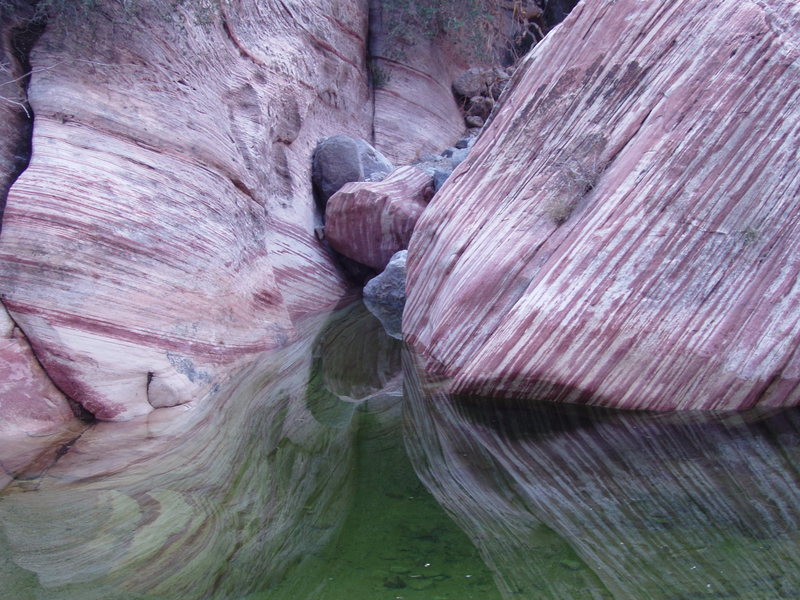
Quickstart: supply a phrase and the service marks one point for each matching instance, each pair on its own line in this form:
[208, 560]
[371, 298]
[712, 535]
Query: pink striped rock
[625, 232]
[29, 402]
[370, 221]
[163, 232]
[415, 112]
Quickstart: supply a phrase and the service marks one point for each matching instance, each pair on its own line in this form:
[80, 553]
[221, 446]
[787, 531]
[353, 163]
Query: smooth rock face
[623, 232]
[415, 111]
[164, 228]
[369, 222]
[341, 159]
[385, 295]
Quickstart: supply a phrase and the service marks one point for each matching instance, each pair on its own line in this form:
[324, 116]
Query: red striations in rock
[29, 402]
[415, 111]
[164, 228]
[625, 231]
[370, 221]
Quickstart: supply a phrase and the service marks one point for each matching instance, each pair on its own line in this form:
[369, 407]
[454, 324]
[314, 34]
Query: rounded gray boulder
[341, 159]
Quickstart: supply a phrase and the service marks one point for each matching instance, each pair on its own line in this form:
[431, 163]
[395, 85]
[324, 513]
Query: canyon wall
[164, 227]
[624, 231]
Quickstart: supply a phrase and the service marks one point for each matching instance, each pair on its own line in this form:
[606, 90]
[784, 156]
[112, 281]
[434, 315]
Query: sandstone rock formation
[415, 111]
[623, 231]
[164, 228]
[369, 222]
[419, 49]
[29, 402]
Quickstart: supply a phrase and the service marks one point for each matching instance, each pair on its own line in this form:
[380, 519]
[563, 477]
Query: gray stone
[448, 152]
[465, 142]
[459, 156]
[474, 121]
[472, 82]
[341, 159]
[439, 177]
[385, 295]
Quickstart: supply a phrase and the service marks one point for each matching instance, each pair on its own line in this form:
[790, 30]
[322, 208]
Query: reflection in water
[293, 484]
[574, 502]
[213, 502]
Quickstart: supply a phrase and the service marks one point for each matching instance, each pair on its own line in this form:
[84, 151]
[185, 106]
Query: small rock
[473, 82]
[439, 177]
[395, 582]
[376, 176]
[480, 106]
[448, 152]
[474, 132]
[474, 121]
[497, 89]
[465, 142]
[459, 156]
[385, 295]
[370, 221]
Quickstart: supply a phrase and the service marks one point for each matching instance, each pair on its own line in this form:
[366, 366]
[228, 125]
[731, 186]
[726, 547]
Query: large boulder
[625, 231]
[341, 159]
[163, 232]
[369, 222]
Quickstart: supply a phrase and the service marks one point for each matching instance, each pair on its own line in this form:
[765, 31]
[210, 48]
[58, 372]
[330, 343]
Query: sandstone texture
[164, 228]
[415, 111]
[419, 49]
[371, 221]
[624, 230]
[29, 402]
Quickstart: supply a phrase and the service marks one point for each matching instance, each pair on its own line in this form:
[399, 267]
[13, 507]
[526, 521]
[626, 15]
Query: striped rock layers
[625, 232]
[368, 221]
[164, 228]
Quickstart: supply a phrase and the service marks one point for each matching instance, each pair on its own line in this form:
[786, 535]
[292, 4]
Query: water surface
[313, 475]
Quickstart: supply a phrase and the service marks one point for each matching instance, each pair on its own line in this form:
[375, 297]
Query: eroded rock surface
[419, 49]
[623, 231]
[370, 221]
[29, 402]
[164, 228]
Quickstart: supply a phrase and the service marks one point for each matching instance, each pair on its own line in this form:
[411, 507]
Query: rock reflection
[216, 500]
[574, 502]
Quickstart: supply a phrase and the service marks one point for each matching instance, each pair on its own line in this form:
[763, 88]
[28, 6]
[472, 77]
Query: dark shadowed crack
[18, 34]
